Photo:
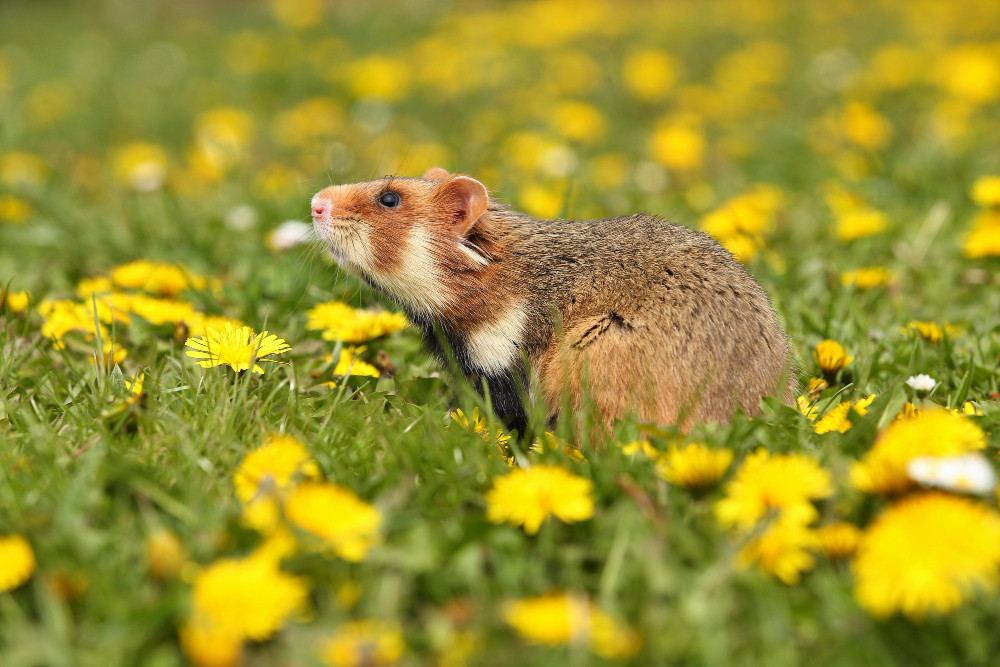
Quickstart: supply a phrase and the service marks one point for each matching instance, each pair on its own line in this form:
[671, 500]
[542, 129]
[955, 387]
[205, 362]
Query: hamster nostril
[319, 210]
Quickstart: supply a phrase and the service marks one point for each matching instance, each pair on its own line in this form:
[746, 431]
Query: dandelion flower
[347, 525]
[695, 465]
[235, 347]
[983, 239]
[678, 145]
[160, 311]
[162, 278]
[932, 332]
[636, 446]
[649, 74]
[528, 496]
[338, 321]
[17, 302]
[365, 643]
[205, 645]
[859, 223]
[934, 432]
[350, 364]
[807, 407]
[986, 191]
[477, 424]
[926, 554]
[267, 474]
[831, 356]
[838, 417]
[782, 549]
[869, 277]
[787, 483]
[247, 597]
[816, 387]
[141, 166]
[17, 561]
[839, 540]
[559, 618]
[968, 473]
[164, 554]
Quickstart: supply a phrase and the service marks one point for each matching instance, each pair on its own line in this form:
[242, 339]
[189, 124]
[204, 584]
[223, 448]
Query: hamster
[636, 313]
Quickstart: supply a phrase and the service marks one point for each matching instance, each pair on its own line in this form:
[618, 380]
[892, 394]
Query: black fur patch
[504, 388]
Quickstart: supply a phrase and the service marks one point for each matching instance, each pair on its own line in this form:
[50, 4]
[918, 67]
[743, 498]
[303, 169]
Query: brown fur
[655, 318]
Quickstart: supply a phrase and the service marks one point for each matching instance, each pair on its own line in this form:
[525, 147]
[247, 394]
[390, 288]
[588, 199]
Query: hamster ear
[464, 199]
[436, 174]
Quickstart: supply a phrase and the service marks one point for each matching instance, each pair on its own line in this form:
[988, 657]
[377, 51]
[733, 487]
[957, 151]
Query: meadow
[216, 448]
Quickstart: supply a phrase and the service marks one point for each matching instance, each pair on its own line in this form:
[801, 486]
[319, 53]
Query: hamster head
[410, 237]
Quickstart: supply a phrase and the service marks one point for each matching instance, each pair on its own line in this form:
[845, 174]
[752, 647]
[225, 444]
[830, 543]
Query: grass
[87, 476]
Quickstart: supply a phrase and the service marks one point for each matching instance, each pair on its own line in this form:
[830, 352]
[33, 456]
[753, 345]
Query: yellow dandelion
[782, 549]
[17, 561]
[816, 386]
[649, 74]
[364, 643]
[141, 166]
[933, 432]
[932, 332]
[551, 442]
[695, 465]
[787, 483]
[22, 169]
[61, 317]
[236, 347]
[865, 127]
[983, 239]
[379, 76]
[807, 407]
[206, 645]
[838, 417]
[347, 525]
[162, 278]
[908, 411]
[249, 597]
[869, 277]
[16, 302]
[831, 356]
[839, 540]
[164, 554]
[97, 286]
[859, 223]
[159, 311]
[14, 209]
[267, 474]
[339, 321]
[198, 324]
[578, 121]
[545, 202]
[528, 496]
[559, 618]
[969, 409]
[350, 364]
[636, 446]
[926, 555]
[678, 145]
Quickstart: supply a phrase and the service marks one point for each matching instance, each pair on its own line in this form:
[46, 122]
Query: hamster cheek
[412, 273]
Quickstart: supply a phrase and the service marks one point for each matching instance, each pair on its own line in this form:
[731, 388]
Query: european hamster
[640, 314]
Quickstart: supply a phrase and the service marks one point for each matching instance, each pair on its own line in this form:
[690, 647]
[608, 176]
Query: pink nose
[319, 210]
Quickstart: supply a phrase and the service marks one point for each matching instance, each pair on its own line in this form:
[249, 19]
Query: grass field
[157, 512]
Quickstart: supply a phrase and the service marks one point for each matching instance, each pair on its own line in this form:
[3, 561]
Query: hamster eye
[389, 199]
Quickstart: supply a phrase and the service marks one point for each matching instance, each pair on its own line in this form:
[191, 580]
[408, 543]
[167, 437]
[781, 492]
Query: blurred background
[189, 130]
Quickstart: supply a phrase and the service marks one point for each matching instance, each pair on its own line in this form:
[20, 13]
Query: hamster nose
[319, 209]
